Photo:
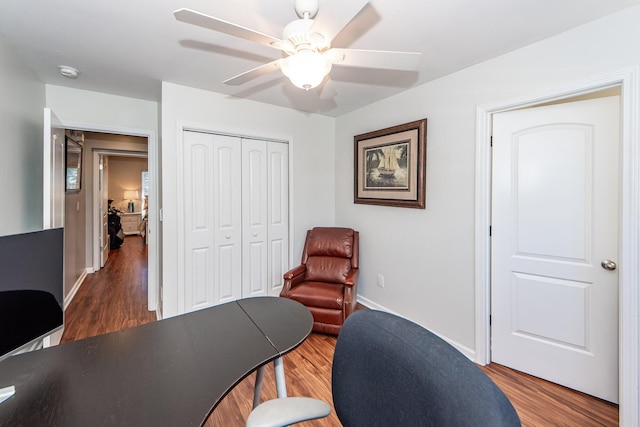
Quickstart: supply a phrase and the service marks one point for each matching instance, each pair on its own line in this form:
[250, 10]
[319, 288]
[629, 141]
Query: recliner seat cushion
[318, 294]
[327, 269]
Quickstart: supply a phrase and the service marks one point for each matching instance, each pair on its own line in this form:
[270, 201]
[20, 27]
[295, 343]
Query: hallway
[113, 298]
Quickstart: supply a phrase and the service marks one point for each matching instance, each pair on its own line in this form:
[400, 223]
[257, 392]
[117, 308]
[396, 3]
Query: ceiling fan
[307, 43]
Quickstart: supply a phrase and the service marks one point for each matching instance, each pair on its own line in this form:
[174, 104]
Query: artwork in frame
[73, 163]
[390, 166]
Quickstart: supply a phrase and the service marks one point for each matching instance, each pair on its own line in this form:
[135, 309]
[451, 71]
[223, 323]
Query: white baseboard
[470, 353]
[74, 290]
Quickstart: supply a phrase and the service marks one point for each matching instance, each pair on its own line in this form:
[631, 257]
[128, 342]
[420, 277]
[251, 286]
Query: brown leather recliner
[325, 282]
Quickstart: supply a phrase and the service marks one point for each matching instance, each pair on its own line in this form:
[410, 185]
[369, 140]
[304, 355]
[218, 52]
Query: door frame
[53, 193]
[629, 302]
[99, 194]
[154, 277]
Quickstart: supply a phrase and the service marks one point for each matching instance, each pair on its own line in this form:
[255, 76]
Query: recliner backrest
[328, 254]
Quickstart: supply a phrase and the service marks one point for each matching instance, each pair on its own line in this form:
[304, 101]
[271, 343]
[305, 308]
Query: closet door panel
[229, 272]
[236, 218]
[228, 225]
[198, 221]
[254, 217]
[278, 215]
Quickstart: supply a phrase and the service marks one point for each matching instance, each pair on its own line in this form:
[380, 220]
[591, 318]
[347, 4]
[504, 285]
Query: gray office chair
[388, 371]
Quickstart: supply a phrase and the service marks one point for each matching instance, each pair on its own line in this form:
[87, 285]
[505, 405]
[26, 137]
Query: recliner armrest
[292, 278]
[352, 277]
[295, 272]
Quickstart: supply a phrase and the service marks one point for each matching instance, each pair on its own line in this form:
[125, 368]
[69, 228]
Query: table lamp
[131, 194]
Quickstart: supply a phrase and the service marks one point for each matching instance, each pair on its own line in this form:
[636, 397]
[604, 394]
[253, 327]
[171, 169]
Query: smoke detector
[68, 72]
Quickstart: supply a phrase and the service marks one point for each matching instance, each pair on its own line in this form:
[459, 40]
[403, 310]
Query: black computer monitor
[31, 288]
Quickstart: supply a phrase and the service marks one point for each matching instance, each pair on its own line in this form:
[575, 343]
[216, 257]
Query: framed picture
[390, 166]
[73, 163]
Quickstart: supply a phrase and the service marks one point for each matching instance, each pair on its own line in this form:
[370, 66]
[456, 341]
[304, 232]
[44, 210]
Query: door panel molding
[629, 302]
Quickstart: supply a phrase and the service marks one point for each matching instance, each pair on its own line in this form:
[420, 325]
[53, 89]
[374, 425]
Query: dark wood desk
[167, 373]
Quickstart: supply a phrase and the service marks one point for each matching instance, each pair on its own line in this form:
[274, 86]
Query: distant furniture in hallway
[130, 222]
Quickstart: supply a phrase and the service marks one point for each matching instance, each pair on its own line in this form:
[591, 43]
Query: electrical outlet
[381, 280]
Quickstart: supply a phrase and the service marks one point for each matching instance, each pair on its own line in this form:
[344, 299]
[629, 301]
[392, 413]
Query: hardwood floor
[541, 403]
[308, 369]
[115, 298]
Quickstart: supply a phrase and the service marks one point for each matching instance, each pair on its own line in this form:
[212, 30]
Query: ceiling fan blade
[334, 16]
[200, 19]
[326, 90]
[385, 60]
[254, 74]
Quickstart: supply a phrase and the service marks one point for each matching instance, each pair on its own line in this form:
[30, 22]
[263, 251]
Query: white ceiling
[129, 47]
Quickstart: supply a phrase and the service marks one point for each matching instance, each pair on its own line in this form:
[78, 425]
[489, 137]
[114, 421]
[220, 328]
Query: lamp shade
[130, 195]
[306, 69]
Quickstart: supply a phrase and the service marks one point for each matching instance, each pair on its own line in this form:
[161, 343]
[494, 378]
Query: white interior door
[103, 196]
[554, 221]
[227, 200]
[53, 171]
[254, 218]
[236, 218]
[212, 219]
[278, 215]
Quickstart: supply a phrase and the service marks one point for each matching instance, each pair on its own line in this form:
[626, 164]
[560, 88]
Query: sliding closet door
[211, 213]
[278, 215]
[254, 218]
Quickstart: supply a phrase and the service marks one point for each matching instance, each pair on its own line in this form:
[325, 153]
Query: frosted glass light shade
[130, 195]
[306, 69]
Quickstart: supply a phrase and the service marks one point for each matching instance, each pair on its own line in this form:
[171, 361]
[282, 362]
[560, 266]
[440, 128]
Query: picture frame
[390, 166]
[73, 166]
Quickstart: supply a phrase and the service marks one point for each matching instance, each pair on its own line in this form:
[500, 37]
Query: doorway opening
[131, 156]
[119, 197]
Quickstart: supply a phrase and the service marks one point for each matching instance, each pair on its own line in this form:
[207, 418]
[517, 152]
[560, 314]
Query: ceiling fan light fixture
[306, 69]
[306, 8]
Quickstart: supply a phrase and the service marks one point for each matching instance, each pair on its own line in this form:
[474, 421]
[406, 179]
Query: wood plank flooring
[115, 298]
[541, 403]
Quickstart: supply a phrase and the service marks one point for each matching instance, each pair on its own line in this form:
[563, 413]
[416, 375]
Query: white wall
[312, 153]
[427, 256]
[75, 106]
[21, 120]
[125, 173]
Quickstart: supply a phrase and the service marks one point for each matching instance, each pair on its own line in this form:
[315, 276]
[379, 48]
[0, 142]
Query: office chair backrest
[388, 371]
